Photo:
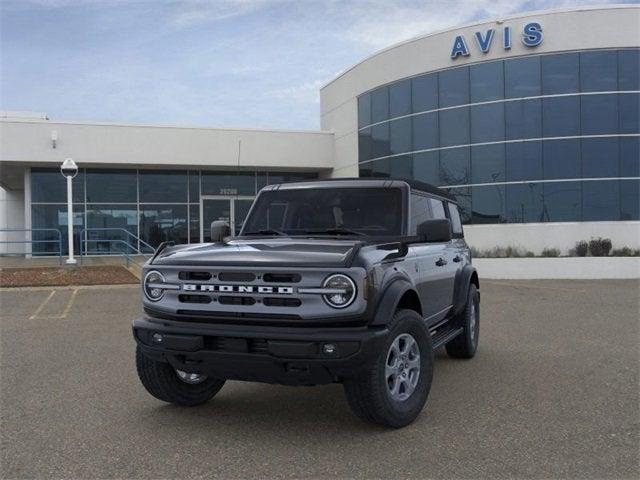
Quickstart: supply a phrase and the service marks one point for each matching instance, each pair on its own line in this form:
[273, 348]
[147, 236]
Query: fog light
[157, 338]
[329, 348]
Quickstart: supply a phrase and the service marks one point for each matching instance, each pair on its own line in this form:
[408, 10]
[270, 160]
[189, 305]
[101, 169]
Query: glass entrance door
[230, 210]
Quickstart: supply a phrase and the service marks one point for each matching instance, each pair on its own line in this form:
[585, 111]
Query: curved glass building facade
[535, 138]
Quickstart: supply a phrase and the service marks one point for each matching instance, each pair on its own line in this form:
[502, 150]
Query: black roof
[384, 181]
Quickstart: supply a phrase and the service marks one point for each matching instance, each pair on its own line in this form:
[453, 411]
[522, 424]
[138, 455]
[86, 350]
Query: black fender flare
[464, 277]
[389, 300]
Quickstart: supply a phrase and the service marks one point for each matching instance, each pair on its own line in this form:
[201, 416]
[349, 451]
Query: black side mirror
[219, 230]
[436, 230]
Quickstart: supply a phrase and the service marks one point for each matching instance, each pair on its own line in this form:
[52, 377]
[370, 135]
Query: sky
[217, 63]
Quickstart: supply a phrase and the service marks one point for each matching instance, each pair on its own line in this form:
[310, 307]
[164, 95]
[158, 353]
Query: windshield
[327, 211]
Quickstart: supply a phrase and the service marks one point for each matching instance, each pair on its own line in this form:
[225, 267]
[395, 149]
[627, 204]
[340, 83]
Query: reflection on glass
[212, 211]
[400, 135]
[629, 112]
[364, 110]
[487, 123]
[601, 200]
[229, 183]
[454, 87]
[599, 114]
[487, 163]
[55, 216]
[523, 119]
[48, 185]
[600, 157]
[560, 73]
[561, 201]
[487, 81]
[194, 223]
[108, 186]
[426, 167]
[380, 104]
[630, 157]
[630, 200]
[561, 159]
[111, 220]
[454, 166]
[163, 223]
[522, 77]
[523, 161]
[194, 186]
[629, 69]
[163, 186]
[424, 92]
[400, 98]
[599, 71]
[401, 166]
[488, 204]
[425, 131]
[524, 203]
[463, 197]
[454, 127]
[380, 140]
[561, 116]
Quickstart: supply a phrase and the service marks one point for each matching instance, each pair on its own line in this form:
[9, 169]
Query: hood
[263, 252]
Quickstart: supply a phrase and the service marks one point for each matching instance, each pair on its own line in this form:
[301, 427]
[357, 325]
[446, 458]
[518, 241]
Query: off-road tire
[367, 392]
[161, 381]
[466, 344]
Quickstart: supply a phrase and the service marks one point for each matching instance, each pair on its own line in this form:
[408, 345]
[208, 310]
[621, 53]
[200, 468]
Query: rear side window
[420, 211]
[454, 216]
[437, 208]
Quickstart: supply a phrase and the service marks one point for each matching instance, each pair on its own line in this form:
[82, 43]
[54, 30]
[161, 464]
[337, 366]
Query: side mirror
[436, 230]
[219, 230]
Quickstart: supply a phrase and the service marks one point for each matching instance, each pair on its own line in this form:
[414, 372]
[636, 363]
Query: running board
[440, 339]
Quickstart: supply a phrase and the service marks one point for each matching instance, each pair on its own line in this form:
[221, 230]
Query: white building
[530, 121]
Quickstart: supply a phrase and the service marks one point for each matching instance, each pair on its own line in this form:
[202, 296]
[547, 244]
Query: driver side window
[420, 212]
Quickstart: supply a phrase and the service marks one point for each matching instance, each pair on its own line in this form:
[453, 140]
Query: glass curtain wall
[542, 138]
[114, 207]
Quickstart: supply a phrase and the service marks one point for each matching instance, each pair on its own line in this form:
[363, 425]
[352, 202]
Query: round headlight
[151, 290]
[344, 291]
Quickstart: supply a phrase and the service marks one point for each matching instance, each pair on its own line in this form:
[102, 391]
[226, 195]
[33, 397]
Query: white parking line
[42, 305]
[61, 316]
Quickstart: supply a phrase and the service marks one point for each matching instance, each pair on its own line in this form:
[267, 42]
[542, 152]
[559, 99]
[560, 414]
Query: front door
[231, 210]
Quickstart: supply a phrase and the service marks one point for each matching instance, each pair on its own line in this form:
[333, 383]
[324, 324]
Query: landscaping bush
[600, 247]
[624, 252]
[550, 252]
[582, 248]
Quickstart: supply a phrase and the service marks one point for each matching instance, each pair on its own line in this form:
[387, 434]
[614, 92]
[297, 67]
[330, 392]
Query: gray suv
[355, 281]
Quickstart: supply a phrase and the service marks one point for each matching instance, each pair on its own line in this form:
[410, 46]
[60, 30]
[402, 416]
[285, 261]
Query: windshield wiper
[267, 231]
[334, 231]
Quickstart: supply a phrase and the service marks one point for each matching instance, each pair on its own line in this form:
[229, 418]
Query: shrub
[582, 248]
[624, 252]
[550, 252]
[600, 247]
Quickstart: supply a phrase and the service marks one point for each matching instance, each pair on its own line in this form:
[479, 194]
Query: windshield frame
[404, 205]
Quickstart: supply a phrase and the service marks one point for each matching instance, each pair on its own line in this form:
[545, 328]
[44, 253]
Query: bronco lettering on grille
[190, 287]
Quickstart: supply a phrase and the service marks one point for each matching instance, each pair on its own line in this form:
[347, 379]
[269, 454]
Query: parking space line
[42, 305]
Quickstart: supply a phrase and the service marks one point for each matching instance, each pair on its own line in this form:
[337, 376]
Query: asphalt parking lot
[552, 393]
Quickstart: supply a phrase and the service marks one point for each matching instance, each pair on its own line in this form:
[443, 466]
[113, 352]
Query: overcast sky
[248, 63]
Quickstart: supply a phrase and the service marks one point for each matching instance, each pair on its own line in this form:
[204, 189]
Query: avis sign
[531, 37]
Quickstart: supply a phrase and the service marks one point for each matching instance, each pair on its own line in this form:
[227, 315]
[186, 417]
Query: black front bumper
[285, 355]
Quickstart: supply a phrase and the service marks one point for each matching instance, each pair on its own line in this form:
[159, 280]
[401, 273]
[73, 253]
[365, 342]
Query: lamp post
[69, 169]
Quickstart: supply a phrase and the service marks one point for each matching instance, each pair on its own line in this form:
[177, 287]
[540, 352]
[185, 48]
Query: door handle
[457, 258]
[441, 262]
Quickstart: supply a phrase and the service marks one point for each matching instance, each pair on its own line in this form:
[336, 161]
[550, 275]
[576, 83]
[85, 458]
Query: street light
[69, 169]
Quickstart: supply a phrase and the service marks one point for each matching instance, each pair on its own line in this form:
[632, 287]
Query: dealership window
[400, 98]
[454, 166]
[629, 104]
[629, 69]
[49, 186]
[107, 186]
[523, 161]
[562, 201]
[561, 116]
[487, 163]
[600, 157]
[401, 166]
[599, 71]
[425, 131]
[194, 186]
[454, 127]
[55, 217]
[378, 168]
[229, 183]
[163, 186]
[601, 200]
[487, 204]
[486, 81]
[599, 114]
[454, 87]
[561, 159]
[426, 167]
[163, 223]
[524, 203]
[522, 77]
[523, 119]
[364, 110]
[365, 145]
[560, 73]
[380, 140]
[630, 157]
[400, 135]
[380, 104]
[111, 222]
[462, 197]
[487, 123]
[424, 92]
[630, 200]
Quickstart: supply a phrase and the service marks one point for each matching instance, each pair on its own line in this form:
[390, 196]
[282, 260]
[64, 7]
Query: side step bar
[442, 337]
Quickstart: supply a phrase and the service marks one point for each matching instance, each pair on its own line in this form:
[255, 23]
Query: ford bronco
[355, 281]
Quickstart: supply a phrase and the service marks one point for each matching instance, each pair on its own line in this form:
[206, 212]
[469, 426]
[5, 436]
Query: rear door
[446, 264]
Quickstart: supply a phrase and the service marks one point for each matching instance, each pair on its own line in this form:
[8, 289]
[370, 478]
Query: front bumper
[284, 355]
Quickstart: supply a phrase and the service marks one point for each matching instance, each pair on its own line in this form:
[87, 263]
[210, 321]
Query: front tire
[466, 344]
[393, 389]
[174, 386]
